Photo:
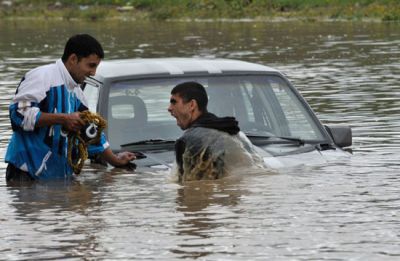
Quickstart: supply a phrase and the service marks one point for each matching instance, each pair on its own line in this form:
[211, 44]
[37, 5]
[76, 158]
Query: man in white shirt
[46, 107]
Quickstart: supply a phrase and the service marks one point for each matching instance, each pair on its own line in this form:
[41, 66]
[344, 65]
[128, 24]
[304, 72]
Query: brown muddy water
[348, 72]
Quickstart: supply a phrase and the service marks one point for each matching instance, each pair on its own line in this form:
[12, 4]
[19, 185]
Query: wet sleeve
[99, 148]
[179, 150]
[24, 110]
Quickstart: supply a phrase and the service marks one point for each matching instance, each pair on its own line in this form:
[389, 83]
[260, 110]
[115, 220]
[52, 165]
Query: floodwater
[349, 72]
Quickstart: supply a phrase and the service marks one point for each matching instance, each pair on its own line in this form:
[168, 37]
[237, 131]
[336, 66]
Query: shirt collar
[71, 84]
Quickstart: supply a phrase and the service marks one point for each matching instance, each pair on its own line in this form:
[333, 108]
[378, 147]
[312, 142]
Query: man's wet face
[181, 111]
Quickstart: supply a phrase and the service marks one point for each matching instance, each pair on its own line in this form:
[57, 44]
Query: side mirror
[341, 135]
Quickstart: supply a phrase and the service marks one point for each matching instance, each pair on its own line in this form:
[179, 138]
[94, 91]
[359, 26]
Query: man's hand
[73, 122]
[118, 160]
[125, 157]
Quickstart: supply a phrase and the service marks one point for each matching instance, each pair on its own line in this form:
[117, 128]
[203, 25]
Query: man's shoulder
[199, 132]
[42, 72]
[204, 129]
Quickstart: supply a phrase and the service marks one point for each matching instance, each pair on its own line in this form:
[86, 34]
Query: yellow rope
[78, 139]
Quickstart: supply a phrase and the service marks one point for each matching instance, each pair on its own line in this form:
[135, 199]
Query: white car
[133, 96]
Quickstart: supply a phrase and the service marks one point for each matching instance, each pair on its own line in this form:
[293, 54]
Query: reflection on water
[206, 207]
[349, 73]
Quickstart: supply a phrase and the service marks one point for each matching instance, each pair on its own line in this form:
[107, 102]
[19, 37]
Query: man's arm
[118, 160]
[71, 122]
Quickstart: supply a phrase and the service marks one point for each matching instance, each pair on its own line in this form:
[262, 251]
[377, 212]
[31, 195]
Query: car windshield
[264, 105]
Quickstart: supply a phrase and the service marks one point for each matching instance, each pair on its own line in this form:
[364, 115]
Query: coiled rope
[80, 140]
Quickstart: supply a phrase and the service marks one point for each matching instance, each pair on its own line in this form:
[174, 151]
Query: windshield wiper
[262, 139]
[301, 142]
[318, 144]
[149, 142]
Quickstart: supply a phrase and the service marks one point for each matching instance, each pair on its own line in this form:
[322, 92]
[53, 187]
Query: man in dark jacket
[210, 144]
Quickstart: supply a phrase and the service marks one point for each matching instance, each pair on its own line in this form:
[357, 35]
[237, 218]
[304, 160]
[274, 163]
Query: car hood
[311, 158]
[165, 159]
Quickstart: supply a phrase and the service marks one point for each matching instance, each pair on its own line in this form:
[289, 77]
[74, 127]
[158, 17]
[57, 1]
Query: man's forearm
[70, 122]
[48, 119]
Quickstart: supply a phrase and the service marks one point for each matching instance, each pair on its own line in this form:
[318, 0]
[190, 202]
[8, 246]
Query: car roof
[177, 66]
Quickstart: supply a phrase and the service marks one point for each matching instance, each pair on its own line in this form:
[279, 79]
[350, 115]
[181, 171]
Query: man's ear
[73, 58]
[193, 105]
[71, 62]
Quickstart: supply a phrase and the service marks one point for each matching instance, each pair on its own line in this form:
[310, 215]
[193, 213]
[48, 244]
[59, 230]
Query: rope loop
[80, 140]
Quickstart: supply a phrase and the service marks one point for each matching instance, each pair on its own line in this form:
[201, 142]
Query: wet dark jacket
[203, 143]
[211, 121]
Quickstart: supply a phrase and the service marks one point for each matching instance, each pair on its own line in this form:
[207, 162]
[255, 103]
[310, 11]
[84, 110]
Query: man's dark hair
[82, 45]
[192, 91]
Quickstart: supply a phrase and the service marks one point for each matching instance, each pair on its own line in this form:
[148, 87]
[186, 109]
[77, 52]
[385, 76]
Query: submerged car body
[133, 96]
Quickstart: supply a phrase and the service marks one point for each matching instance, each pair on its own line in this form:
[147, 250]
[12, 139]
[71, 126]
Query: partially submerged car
[133, 96]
